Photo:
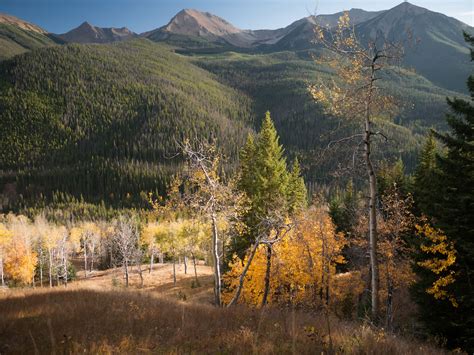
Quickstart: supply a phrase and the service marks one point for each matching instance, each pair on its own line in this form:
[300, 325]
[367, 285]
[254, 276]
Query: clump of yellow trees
[38, 252]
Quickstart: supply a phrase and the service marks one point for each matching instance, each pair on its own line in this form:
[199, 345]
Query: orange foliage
[303, 264]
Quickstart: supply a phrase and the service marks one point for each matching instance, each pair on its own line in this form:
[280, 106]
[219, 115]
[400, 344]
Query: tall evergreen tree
[452, 210]
[426, 177]
[269, 186]
[296, 189]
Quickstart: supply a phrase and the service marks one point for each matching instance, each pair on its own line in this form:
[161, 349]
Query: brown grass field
[98, 315]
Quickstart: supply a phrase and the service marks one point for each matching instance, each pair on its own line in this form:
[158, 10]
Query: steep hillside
[18, 36]
[102, 121]
[87, 33]
[437, 49]
[278, 82]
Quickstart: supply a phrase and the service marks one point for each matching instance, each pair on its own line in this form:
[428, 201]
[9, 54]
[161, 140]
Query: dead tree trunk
[195, 270]
[50, 269]
[244, 273]
[174, 270]
[1, 272]
[85, 260]
[40, 266]
[372, 179]
[151, 261]
[267, 275]
[125, 265]
[216, 260]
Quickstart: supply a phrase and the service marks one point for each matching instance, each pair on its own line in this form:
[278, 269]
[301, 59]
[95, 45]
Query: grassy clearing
[94, 316]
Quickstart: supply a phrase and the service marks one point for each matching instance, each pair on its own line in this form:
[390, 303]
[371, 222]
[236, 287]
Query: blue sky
[59, 16]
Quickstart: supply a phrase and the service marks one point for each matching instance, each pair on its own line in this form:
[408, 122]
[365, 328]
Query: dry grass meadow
[98, 315]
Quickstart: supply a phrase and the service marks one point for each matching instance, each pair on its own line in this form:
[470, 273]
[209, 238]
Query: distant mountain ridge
[15, 21]
[438, 38]
[18, 36]
[87, 33]
[204, 25]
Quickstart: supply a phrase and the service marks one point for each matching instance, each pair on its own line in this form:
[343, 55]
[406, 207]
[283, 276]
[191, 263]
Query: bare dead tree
[126, 241]
[357, 95]
[211, 198]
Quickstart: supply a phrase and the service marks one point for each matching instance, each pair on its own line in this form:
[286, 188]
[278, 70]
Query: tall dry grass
[77, 320]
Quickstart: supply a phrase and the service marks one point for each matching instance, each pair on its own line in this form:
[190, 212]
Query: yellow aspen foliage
[20, 263]
[441, 259]
[20, 260]
[303, 264]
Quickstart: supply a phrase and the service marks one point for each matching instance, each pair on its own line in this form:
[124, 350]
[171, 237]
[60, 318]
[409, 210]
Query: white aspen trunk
[174, 270]
[125, 264]
[1, 272]
[195, 270]
[244, 273]
[41, 267]
[185, 265]
[372, 205]
[65, 269]
[91, 267]
[50, 269]
[85, 260]
[216, 260]
[151, 261]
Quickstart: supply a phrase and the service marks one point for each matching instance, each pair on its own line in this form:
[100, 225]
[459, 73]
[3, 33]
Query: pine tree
[426, 177]
[271, 190]
[297, 195]
[264, 179]
[453, 215]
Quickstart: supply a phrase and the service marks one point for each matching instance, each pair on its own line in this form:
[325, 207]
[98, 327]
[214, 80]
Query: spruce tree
[426, 177]
[452, 211]
[297, 199]
[270, 189]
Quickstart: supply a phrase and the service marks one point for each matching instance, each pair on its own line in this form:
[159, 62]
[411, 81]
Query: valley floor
[98, 315]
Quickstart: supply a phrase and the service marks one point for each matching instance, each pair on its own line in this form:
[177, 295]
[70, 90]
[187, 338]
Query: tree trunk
[85, 260]
[372, 206]
[140, 273]
[185, 265]
[151, 261]
[389, 316]
[267, 275]
[92, 258]
[195, 270]
[244, 273]
[65, 269]
[41, 267]
[174, 270]
[162, 259]
[215, 256]
[50, 269]
[125, 264]
[1, 272]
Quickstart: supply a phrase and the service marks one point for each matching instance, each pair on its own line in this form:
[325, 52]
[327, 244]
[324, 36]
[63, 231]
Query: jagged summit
[88, 33]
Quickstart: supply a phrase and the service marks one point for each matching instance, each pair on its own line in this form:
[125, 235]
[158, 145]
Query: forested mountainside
[102, 121]
[279, 81]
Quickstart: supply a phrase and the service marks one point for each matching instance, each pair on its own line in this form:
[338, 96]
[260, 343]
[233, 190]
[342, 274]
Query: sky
[59, 16]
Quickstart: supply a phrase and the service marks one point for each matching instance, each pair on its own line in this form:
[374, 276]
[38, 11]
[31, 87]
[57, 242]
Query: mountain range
[434, 41]
[95, 112]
